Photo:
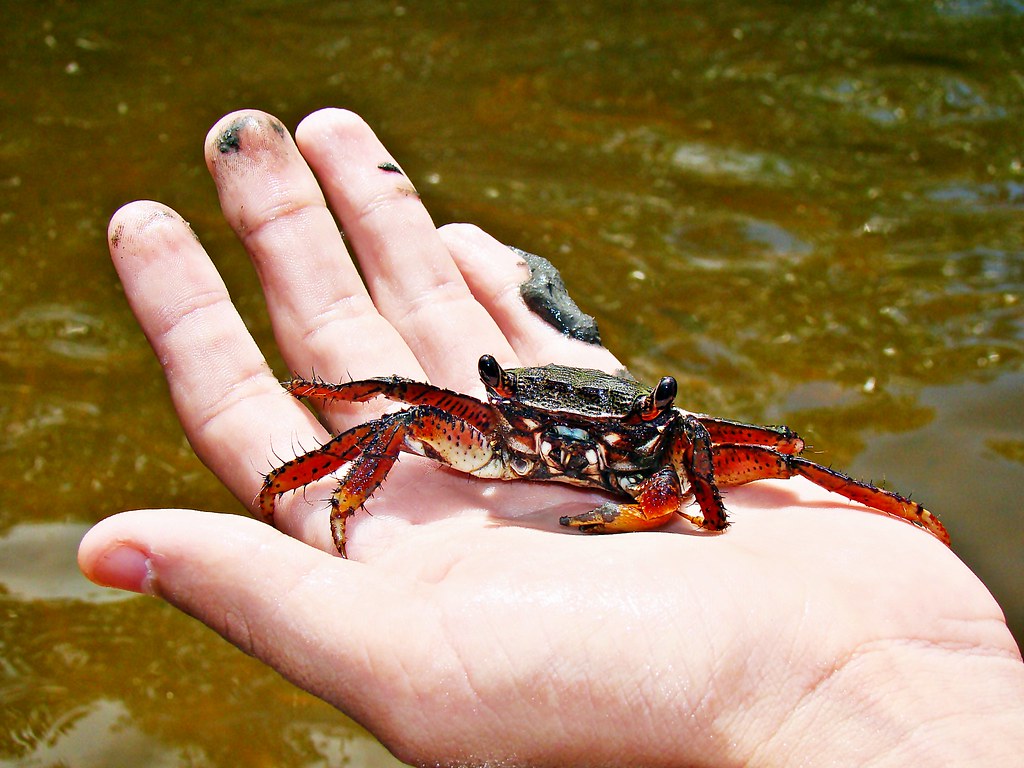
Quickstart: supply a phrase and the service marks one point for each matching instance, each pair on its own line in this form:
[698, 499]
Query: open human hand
[468, 627]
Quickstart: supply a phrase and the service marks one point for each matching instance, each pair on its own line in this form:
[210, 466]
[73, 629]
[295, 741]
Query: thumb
[285, 602]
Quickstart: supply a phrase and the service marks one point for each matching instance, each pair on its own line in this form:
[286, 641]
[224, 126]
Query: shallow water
[809, 213]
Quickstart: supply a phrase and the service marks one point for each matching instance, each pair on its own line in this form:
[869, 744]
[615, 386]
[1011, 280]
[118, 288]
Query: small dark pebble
[546, 296]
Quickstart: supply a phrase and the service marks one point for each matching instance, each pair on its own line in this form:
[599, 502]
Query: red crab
[569, 425]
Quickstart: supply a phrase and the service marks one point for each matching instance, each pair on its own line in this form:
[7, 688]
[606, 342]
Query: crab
[569, 425]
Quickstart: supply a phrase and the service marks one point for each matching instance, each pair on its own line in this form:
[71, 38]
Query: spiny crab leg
[726, 432]
[695, 456]
[372, 449]
[745, 453]
[878, 498]
[400, 390]
[741, 464]
[309, 467]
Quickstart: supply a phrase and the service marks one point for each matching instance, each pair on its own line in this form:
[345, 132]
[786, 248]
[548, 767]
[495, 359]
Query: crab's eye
[490, 371]
[665, 393]
[650, 406]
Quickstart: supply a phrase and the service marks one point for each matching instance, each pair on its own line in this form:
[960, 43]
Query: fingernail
[125, 568]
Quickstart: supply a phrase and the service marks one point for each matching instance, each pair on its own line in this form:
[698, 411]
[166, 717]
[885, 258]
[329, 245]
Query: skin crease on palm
[468, 627]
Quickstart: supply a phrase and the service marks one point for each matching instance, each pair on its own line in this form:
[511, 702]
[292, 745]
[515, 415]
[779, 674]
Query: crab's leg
[367, 472]
[371, 451]
[657, 500]
[399, 389]
[740, 464]
[421, 430]
[305, 469]
[723, 431]
[694, 456]
[878, 498]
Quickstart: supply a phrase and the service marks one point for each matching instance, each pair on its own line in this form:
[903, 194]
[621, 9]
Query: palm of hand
[519, 619]
[469, 625]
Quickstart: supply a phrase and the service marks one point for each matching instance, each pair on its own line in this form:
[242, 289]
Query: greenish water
[810, 213]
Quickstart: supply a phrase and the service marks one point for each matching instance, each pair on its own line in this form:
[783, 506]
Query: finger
[410, 273]
[262, 591]
[495, 273]
[229, 403]
[322, 315]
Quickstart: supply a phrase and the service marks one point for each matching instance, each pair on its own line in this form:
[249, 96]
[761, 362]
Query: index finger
[227, 399]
